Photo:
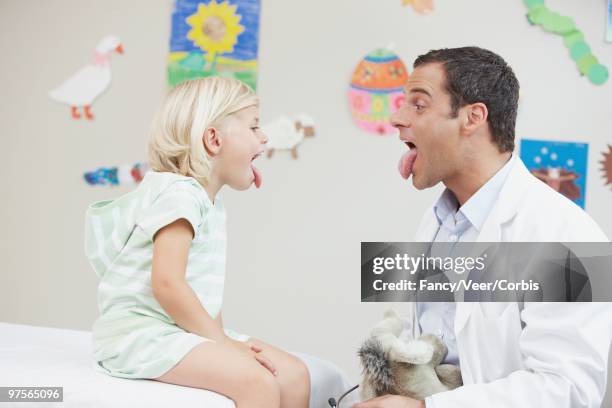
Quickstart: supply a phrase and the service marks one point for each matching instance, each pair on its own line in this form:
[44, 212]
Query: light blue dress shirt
[458, 224]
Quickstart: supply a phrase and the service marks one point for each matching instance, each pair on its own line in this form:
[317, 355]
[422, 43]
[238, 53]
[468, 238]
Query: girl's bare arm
[170, 252]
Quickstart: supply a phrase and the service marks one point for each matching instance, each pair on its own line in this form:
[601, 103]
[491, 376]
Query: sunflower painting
[213, 37]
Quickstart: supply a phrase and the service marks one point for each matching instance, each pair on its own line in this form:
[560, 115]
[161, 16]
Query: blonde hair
[175, 143]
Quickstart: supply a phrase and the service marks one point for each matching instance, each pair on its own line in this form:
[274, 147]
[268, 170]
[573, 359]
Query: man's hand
[391, 401]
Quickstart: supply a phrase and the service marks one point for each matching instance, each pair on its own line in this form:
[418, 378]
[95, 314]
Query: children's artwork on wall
[287, 133]
[420, 6]
[606, 166]
[580, 51]
[214, 38]
[84, 86]
[377, 90]
[117, 175]
[561, 165]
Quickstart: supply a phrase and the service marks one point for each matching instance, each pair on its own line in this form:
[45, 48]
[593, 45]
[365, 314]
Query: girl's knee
[302, 372]
[258, 385]
[298, 377]
[295, 384]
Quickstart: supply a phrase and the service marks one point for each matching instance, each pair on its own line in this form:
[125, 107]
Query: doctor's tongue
[406, 162]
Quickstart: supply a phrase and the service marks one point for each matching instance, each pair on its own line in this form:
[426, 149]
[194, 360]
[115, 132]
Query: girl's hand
[254, 350]
[263, 360]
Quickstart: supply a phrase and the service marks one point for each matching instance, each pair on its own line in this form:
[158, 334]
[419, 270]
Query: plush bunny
[412, 369]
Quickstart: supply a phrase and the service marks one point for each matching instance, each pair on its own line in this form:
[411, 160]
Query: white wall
[294, 267]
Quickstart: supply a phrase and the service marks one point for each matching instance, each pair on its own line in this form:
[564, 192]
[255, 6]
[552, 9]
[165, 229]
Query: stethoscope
[332, 401]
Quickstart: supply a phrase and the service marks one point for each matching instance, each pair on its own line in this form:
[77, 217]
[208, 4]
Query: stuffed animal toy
[410, 368]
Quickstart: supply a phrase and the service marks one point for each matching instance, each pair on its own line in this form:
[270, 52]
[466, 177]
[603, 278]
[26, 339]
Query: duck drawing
[82, 88]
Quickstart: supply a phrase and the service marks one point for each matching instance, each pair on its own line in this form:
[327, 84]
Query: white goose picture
[84, 86]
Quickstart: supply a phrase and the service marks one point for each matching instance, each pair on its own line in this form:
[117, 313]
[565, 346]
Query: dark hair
[477, 75]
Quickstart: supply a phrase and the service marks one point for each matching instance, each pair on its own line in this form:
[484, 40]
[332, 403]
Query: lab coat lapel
[506, 207]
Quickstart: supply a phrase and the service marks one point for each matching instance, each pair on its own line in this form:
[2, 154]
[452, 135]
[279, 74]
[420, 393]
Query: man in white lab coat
[458, 121]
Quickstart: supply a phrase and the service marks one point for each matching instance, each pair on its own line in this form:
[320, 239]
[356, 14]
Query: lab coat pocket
[493, 310]
[495, 324]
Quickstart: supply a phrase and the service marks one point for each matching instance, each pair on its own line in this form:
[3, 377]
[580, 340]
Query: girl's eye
[255, 128]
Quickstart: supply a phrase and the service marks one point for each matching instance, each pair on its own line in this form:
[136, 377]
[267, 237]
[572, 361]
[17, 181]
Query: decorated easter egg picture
[377, 91]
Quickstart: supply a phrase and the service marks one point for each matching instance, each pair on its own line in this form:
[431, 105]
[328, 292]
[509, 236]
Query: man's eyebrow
[418, 90]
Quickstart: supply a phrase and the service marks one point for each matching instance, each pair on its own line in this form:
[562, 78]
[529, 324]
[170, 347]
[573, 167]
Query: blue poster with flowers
[211, 37]
[561, 165]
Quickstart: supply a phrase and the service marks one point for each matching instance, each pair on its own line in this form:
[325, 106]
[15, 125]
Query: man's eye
[418, 107]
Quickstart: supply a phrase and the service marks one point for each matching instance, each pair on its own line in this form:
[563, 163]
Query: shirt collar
[478, 206]
[447, 204]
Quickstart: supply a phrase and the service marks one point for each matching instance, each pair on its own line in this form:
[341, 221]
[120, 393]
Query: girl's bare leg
[293, 377]
[224, 369]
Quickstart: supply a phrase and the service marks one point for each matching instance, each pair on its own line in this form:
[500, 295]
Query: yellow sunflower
[215, 27]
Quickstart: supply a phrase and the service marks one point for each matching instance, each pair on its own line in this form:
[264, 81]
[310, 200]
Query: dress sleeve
[180, 200]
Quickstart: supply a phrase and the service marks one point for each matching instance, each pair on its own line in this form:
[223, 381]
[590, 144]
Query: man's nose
[398, 119]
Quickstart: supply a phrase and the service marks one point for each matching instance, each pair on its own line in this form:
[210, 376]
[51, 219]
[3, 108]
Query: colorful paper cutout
[606, 166]
[420, 6]
[287, 133]
[118, 175]
[587, 63]
[214, 38]
[561, 165]
[284, 133]
[85, 85]
[377, 91]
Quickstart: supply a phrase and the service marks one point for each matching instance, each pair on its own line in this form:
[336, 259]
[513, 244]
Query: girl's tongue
[256, 175]
[406, 163]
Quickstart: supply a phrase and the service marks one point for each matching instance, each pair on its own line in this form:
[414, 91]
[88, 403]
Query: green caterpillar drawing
[580, 51]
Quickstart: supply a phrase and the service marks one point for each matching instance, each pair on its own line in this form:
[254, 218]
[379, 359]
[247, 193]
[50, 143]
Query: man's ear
[212, 141]
[475, 116]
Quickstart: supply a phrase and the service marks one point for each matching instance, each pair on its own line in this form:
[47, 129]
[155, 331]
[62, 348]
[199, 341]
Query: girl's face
[242, 142]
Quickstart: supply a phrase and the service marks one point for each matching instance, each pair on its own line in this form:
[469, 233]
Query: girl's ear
[212, 141]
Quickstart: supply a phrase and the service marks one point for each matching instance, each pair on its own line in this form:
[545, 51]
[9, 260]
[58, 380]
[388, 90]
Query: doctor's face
[428, 128]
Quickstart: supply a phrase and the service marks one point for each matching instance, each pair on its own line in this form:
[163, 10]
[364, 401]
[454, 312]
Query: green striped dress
[134, 337]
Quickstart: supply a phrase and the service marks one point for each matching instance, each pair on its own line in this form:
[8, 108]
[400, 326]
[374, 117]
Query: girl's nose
[263, 138]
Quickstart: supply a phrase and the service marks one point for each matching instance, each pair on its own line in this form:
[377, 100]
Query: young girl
[160, 254]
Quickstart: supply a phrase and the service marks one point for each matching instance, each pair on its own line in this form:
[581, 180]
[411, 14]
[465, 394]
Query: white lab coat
[560, 358]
